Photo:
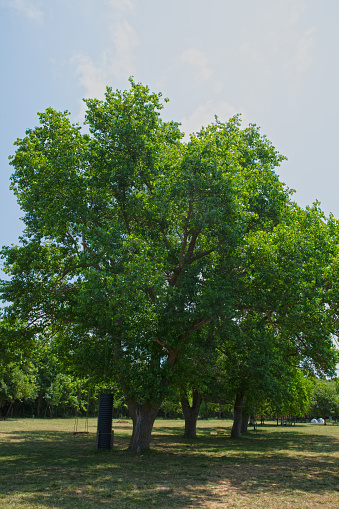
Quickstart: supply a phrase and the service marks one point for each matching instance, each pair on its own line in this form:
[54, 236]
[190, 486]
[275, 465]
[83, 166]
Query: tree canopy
[138, 240]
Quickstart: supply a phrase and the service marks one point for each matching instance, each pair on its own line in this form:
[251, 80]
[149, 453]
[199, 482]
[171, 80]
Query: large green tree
[134, 236]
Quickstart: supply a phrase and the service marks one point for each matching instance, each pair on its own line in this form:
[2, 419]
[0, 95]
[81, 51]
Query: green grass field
[43, 465]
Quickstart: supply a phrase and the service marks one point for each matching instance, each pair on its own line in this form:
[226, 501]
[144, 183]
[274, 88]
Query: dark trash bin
[104, 431]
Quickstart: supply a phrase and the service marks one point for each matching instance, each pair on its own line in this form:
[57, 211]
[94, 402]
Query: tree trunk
[39, 406]
[244, 423]
[236, 428]
[191, 414]
[143, 417]
[10, 408]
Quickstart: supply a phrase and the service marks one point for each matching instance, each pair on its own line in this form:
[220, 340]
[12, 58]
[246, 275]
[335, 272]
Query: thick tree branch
[185, 237]
[204, 253]
[150, 293]
[172, 352]
[200, 324]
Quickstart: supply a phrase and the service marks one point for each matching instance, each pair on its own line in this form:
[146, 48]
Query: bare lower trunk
[143, 417]
[191, 414]
[38, 410]
[9, 410]
[236, 428]
[244, 423]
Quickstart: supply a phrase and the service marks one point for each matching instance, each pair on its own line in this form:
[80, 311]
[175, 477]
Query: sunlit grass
[44, 465]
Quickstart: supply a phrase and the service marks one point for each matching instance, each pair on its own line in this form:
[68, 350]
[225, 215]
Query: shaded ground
[43, 465]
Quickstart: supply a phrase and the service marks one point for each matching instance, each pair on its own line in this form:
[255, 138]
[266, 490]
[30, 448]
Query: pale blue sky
[274, 61]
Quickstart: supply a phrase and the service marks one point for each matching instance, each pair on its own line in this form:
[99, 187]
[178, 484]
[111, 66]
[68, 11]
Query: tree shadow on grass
[267, 440]
[60, 470]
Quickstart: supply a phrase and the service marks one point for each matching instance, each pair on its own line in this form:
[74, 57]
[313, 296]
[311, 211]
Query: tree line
[168, 265]
[44, 387]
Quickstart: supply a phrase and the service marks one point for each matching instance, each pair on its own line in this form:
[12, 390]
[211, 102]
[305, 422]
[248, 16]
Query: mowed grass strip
[44, 465]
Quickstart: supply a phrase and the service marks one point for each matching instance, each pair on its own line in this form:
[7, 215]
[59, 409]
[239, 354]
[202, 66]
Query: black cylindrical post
[104, 432]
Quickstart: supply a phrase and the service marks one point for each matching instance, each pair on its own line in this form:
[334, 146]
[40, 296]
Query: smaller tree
[325, 400]
[297, 394]
[198, 377]
[17, 383]
[255, 362]
[62, 395]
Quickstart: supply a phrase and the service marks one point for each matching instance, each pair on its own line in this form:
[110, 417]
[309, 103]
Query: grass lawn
[43, 465]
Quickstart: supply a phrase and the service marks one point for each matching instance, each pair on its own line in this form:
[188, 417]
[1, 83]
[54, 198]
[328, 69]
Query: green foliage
[143, 253]
[297, 395]
[17, 383]
[171, 407]
[62, 393]
[17, 340]
[325, 399]
[287, 281]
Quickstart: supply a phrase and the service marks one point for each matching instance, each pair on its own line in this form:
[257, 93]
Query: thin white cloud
[125, 41]
[115, 62]
[121, 4]
[27, 8]
[196, 62]
[205, 113]
[297, 11]
[279, 43]
[301, 62]
[304, 55]
[191, 64]
[91, 76]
